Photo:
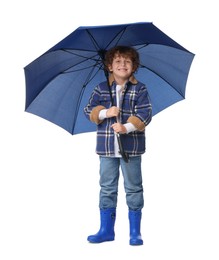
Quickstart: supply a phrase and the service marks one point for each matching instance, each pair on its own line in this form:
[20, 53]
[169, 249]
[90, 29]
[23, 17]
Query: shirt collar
[132, 79]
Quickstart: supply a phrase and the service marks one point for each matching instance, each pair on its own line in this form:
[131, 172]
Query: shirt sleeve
[102, 114]
[129, 127]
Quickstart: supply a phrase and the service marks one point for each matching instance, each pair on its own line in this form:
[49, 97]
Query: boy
[120, 106]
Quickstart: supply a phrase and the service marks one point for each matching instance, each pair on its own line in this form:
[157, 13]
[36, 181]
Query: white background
[49, 179]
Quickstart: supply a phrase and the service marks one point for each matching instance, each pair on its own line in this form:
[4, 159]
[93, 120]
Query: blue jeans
[109, 178]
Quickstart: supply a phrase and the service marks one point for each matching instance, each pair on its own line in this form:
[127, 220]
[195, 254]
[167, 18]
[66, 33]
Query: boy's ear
[110, 68]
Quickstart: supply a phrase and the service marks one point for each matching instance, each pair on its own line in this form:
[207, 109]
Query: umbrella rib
[70, 71]
[93, 40]
[143, 66]
[121, 32]
[77, 107]
[82, 56]
[88, 79]
[97, 61]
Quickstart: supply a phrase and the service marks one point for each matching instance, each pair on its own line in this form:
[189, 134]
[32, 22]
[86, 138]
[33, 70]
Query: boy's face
[121, 67]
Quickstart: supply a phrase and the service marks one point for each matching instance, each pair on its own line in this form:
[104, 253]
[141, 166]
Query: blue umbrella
[59, 82]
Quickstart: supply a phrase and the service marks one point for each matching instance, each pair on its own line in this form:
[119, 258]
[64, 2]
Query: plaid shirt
[135, 105]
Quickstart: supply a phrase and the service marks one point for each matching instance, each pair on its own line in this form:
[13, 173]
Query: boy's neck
[121, 81]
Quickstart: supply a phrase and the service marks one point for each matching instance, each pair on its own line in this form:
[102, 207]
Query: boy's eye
[125, 61]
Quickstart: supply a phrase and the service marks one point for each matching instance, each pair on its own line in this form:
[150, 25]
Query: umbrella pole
[124, 155]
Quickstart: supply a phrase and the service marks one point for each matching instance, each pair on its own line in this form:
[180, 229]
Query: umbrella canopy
[59, 82]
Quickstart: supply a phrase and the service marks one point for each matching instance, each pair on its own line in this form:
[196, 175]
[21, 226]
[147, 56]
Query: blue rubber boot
[107, 222]
[135, 225]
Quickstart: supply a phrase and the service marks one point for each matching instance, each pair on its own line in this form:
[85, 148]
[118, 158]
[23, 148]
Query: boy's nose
[123, 63]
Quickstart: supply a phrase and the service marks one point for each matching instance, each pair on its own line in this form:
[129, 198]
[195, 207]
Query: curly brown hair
[124, 51]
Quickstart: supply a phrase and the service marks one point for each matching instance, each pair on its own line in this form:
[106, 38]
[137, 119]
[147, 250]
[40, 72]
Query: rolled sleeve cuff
[129, 127]
[94, 115]
[140, 126]
[102, 114]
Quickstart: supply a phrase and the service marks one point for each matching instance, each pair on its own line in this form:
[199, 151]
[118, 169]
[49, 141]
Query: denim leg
[133, 182]
[109, 177]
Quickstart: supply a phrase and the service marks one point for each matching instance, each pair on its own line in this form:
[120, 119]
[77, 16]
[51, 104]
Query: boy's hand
[112, 112]
[119, 128]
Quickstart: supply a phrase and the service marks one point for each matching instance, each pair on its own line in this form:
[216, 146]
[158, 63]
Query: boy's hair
[124, 51]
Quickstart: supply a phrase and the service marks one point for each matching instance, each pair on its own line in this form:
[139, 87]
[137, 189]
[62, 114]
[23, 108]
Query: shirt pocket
[105, 100]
